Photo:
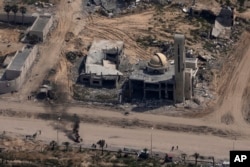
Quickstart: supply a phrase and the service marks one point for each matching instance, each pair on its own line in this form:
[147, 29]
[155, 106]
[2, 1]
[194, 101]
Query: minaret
[179, 59]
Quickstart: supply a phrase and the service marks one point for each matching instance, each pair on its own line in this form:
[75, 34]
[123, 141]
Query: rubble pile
[69, 36]
[72, 55]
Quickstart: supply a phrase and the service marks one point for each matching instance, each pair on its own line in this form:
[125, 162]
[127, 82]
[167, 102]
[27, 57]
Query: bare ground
[197, 135]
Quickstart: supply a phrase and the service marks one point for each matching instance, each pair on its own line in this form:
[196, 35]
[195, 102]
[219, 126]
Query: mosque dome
[159, 60]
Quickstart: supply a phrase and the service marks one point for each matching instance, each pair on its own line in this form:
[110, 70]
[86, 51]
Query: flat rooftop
[95, 62]
[19, 59]
[40, 23]
[101, 70]
[139, 74]
[96, 51]
[191, 60]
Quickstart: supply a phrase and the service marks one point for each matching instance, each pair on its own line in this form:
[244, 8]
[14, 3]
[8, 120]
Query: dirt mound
[227, 118]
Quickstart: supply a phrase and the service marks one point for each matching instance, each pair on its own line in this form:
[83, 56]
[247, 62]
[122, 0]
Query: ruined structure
[101, 64]
[223, 23]
[15, 74]
[158, 79]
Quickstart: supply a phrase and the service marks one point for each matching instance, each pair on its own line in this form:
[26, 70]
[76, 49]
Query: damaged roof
[219, 31]
[95, 60]
[141, 75]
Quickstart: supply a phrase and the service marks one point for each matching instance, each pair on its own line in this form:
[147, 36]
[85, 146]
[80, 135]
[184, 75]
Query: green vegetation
[34, 1]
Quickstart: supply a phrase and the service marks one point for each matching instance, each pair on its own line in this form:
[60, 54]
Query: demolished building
[101, 64]
[223, 23]
[159, 80]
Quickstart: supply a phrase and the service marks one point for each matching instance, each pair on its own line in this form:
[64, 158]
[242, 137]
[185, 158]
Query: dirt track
[51, 49]
[234, 80]
[232, 87]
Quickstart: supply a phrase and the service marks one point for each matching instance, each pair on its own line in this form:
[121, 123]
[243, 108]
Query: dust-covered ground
[215, 131]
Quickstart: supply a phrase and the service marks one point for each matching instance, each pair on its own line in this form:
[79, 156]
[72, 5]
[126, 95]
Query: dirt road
[233, 84]
[104, 124]
[132, 138]
[100, 123]
[50, 51]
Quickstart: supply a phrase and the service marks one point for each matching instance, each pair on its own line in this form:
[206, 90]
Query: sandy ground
[51, 50]
[9, 41]
[131, 138]
[230, 101]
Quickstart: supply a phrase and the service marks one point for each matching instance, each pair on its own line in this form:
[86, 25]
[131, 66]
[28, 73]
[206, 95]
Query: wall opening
[109, 83]
[137, 89]
[152, 95]
[152, 86]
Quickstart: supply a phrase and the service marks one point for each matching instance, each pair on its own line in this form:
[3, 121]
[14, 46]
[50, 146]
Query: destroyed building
[158, 79]
[101, 64]
[223, 23]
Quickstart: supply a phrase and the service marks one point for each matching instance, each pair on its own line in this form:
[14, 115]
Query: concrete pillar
[179, 56]
[130, 88]
[144, 91]
[159, 90]
[188, 84]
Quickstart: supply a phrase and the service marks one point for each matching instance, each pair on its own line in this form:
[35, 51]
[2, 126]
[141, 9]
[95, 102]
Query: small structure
[41, 27]
[223, 23]
[246, 4]
[160, 80]
[16, 71]
[101, 64]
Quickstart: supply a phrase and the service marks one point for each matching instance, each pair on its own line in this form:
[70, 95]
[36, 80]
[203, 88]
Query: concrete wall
[11, 74]
[47, 27]
[8, 86]
[157, 71]
[188, 84]
[39, 34]
[42, 34]
[16, 84]
[179, 56]
[27, 19]
[27, 64]
[192, 63]
[93, 82]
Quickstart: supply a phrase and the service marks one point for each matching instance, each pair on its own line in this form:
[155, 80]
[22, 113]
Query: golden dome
[158, 60]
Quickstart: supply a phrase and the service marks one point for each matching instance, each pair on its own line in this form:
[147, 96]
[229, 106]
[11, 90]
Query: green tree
[66, 145]
[7, 9]
[241, 2]
[53, 145]
[212, 158]
[101, 143]
[184, 157]
[23, 10]
[196, 156]
[14, 9]
[119, 153]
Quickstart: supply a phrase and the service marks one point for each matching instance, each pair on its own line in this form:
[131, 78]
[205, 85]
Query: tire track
[113, 33]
